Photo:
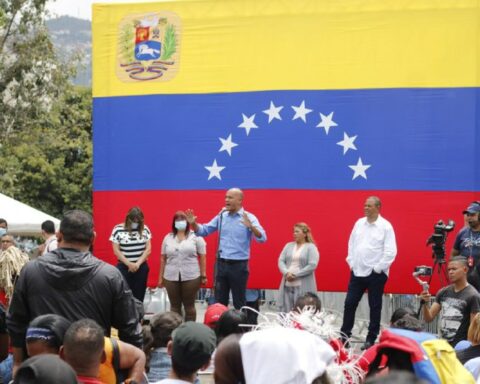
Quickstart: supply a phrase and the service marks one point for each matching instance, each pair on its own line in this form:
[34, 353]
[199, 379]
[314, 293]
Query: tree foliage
[45, 122]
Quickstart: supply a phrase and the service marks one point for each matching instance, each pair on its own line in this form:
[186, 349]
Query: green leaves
[50, 165]
[169, 43]
[45, 122]
[127, 44]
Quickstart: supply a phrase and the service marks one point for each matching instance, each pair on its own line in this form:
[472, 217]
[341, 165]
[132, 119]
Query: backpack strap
[115, 356]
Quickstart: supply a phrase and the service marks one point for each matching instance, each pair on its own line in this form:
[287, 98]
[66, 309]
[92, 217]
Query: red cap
[213, 313]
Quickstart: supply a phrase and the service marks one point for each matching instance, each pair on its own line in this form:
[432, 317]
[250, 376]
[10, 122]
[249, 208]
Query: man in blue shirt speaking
[236, 227]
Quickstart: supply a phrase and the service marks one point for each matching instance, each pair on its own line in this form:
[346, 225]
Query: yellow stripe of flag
[254, 45]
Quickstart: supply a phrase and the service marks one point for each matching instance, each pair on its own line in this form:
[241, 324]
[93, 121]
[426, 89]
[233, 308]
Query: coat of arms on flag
[148, 47]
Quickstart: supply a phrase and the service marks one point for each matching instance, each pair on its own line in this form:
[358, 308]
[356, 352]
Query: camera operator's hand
[425, 296]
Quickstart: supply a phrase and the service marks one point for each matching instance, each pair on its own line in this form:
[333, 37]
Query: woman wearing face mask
[182, 266]
[131, 245]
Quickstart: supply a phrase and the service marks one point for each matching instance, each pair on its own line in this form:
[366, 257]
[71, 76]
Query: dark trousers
[252, 317]
[473, 277]
[137, 281]
[232, 275]
[374, 283]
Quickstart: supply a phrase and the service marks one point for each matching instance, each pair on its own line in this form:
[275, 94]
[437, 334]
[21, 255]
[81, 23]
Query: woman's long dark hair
[135, 214]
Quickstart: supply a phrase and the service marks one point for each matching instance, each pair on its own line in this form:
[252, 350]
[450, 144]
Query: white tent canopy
[22, 219]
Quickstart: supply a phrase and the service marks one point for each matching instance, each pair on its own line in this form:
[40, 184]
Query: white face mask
[3, 231]
[134, 226]
[181, 225]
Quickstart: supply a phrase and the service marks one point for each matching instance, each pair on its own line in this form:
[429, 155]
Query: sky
[81, 8]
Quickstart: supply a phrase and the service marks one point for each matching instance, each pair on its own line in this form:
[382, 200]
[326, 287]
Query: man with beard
[467, 243]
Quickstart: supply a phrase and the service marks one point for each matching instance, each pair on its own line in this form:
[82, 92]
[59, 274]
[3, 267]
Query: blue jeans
[160, 365]
[374, 283]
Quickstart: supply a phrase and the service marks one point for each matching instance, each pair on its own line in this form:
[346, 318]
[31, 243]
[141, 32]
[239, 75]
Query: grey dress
[309, 258]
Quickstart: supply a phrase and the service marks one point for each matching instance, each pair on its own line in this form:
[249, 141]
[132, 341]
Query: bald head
[233, 200]
[236, 191]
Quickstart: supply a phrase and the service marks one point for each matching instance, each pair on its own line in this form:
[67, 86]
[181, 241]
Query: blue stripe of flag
[413, 139]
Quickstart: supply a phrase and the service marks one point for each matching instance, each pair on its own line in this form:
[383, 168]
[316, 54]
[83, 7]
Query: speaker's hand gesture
[191, 218]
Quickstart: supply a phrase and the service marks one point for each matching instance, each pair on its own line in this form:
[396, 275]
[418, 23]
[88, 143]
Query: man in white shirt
[371, 251]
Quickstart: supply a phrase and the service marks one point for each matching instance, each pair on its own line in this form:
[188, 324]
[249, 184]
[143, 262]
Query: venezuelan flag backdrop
[308, 106]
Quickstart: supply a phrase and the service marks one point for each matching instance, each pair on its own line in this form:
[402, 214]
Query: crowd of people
[70, 317]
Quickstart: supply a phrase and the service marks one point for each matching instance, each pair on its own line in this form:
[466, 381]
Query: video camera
[438, 238]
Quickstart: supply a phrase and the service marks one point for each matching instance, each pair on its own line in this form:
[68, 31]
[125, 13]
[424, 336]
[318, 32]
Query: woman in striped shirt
[131, 245]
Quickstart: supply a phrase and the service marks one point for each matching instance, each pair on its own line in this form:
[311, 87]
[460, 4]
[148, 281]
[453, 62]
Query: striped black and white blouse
[131, 244]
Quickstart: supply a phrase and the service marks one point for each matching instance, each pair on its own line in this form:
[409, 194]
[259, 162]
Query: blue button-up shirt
[235, 238]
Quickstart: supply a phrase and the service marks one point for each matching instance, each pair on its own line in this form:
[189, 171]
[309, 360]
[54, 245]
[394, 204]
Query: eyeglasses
[6, 241]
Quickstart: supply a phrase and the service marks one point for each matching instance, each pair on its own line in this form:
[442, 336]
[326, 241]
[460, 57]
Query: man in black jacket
[73, 283]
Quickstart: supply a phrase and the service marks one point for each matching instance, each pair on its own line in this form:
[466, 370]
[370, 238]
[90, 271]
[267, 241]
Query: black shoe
[345, 341]
[367, 345]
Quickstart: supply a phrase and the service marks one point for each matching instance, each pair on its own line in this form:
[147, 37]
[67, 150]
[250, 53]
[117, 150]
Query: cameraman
[459, 303]
[467, 243]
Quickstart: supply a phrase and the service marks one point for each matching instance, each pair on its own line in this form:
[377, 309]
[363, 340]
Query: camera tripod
[440, 265]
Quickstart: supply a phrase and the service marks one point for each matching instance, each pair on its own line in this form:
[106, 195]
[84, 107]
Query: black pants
[137, 281]
[374, 283]
[232, 275]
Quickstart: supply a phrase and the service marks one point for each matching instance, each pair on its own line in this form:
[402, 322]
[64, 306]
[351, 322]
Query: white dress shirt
[371, 247]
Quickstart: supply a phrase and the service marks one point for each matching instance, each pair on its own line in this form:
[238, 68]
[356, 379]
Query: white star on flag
[248, 123]
[347, 142]
[359, 169]
[227, 145]
[214, 170]
[301, 112]
[326, 122]
[273, 112]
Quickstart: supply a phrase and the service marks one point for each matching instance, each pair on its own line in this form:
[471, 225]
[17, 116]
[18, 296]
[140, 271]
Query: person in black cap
[191, 349]
[467, 243]
[46, 368]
